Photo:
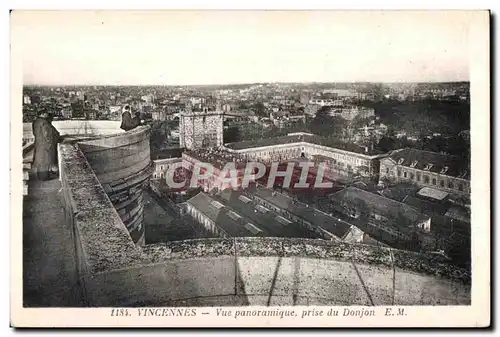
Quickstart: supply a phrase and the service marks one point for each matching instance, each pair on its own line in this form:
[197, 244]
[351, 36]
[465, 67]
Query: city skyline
[241, 84]
[238, 47]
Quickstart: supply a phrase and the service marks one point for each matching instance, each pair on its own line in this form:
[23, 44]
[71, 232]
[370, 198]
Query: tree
[404, 142]
[232, 135]
[359, 122]
[260, 109]
[160, 132]
[325, 125]
[387, 144]
[243, 105]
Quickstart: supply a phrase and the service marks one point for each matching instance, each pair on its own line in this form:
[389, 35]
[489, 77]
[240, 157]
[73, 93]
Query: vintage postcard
[231, 168]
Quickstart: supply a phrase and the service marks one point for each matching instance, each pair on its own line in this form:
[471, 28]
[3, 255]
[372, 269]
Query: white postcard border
[477, 314]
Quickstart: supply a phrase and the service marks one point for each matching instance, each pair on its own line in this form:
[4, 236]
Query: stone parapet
[427, 264]
[276, 271]
[101, 239]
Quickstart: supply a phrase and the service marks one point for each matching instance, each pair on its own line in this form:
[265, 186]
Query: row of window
[271, 153]
[336, 156]
[156, 175]
[343, 157]
[427, 180]
[334, 163]
[206, 222]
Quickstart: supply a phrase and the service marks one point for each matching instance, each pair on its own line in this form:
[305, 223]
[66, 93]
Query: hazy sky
[209, 47]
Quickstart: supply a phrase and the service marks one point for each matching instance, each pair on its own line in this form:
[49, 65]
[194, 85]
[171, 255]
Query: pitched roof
[383, 206]
[452, 166]
[310, 214]
[269, 220]
[425, 206]
[230, 221]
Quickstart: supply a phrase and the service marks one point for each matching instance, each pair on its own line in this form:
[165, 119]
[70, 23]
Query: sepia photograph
[250, 168]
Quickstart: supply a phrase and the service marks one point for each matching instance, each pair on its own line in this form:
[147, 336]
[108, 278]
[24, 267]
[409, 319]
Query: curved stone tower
[122, 163]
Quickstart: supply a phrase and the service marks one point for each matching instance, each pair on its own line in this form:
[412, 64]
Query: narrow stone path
[49, 261]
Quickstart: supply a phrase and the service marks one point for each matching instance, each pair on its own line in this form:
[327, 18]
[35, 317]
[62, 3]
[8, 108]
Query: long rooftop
[452, 166]
[398, 215]
[274, 224]
[308, 138]
[317, 218]
[233, 223]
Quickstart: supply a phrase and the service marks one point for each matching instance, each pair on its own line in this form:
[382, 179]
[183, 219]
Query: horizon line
[247, 83]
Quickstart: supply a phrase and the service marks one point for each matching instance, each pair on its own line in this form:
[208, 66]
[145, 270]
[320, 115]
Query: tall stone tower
[201, 126]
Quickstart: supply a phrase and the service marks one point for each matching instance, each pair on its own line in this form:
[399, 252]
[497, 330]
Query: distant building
[311, 109]
[80, 95]
[115, 109]
[159, 115]
[341, 92]
[166, 114]
[91, 115]
[326, 102]
[66, 113]
[427, 169]
[384, 219]
[162, 166]
[148, 98]
[220, 220]
[304, 98]
[201, 127]
[287, 121]
[197, 100]
[35, 99]
[350, 112]
[26, 99]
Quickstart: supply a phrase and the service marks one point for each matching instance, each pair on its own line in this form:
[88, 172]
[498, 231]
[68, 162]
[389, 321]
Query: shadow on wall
[272, 272]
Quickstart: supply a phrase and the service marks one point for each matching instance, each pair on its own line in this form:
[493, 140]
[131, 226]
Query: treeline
[254, 131]
[447, 117]
[452, 145]
[160, 134]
